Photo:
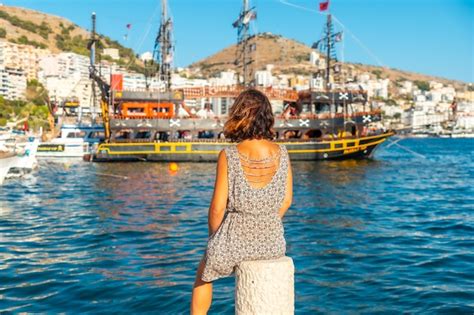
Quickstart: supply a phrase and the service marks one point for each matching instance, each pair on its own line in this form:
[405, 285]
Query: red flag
[129, 26]
[323, 6]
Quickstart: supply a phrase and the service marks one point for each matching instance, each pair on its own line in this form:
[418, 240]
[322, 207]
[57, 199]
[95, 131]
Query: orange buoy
[173, 167]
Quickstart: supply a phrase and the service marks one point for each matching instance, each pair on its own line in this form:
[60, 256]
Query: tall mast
[244, 49]
[328, 52]
[92, 61]
[163, 51]
[102, 84]
[327, 45]
[92, 41]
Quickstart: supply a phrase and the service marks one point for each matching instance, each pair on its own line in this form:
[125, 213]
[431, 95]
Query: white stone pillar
[265, 287]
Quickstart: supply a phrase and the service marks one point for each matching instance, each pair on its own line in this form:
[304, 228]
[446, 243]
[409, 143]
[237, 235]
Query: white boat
[74, 141]
[7, 160]
[26, 158]
[18, 153]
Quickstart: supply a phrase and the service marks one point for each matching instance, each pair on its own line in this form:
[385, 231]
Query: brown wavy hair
[250, 117]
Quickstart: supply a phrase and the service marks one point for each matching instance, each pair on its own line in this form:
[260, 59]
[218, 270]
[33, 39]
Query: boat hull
[65, 149]
[7, 161]
[207, 151]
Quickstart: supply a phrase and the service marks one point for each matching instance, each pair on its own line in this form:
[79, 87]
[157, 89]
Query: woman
[253, 191]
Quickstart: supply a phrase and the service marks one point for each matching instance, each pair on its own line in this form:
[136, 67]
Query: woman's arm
[289, 192]
[219, 198]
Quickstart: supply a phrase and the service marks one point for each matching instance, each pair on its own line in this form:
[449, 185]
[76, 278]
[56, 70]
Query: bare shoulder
[275, 147]
[222, 157]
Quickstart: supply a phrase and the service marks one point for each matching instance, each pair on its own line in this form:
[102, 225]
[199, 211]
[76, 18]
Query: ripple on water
[390, 235]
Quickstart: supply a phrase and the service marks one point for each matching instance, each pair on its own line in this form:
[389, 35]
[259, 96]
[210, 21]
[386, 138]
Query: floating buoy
[173, 167]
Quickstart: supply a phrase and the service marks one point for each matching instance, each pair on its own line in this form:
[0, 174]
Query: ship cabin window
[354, 130]
[162, 136]
[291, 134]
[209, 106]
[123, 134]
[160, 110]
[136, 111]
[322, 108]
[223, 106]
[145, 134]
[306, 108]
[205, 134]
[96, 135]
[313, 134]
[77, 134]
[184, 134]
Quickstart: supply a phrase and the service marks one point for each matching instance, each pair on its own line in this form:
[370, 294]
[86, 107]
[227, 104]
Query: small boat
[18, 153]
[74, 141]
[26, 162]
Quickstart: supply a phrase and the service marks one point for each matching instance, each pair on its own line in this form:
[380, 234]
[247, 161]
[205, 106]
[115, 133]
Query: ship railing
[122, 117]
[301, 116]
[329, 115]
[234, 90]
[327, 137]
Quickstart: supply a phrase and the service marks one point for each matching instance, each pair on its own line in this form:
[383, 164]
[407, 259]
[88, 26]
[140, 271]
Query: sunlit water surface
[390, 235]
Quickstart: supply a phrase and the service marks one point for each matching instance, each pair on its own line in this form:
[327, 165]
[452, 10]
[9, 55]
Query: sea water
[389, 235]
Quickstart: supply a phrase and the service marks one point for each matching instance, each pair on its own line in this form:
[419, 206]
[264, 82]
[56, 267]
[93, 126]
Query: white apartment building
[112, 53]
[378, 88]
[392, 110]
[23, 57]
[225, 78]
[406, 88]
[314, 58]
[465, 115]
[263, 78]
[4, 82]
[428, 113]
[182, 82]
[64, 65]
[12, 83]
[66, 76]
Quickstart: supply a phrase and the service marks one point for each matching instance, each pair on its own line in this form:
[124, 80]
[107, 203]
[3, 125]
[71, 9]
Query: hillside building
[12, 83]
[112, 53]
[23, 57]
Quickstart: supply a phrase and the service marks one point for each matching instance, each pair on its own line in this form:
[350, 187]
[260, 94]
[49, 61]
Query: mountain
[290, 56]
[29, 27]
[285, 54]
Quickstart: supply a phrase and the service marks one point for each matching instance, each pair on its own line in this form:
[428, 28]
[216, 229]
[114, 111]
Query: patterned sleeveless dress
[252, 228]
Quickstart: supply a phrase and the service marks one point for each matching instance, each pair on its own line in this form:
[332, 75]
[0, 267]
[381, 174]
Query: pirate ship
[155, 125]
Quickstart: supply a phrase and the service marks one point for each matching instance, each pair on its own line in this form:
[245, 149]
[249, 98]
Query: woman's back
[259, 160]
[257, 174]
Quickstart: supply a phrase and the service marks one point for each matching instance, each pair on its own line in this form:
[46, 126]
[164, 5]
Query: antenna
[163, 50]
[244, 49]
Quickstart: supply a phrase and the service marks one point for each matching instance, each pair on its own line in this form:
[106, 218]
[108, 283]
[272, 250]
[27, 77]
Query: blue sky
[427, 36]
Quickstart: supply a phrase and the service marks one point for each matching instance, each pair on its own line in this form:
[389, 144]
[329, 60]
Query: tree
[36, 93]
[378, 73]
[422, 85]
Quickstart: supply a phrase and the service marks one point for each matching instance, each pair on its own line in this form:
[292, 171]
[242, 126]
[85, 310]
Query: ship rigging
[157, 126]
